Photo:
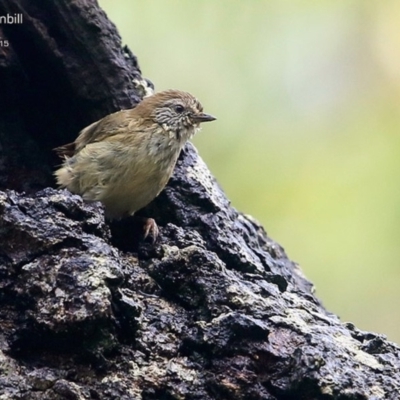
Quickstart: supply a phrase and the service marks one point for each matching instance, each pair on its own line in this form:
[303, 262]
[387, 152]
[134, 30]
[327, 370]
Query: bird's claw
[150, 229]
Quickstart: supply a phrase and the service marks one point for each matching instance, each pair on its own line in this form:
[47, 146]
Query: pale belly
[127, 195]
[137, 183]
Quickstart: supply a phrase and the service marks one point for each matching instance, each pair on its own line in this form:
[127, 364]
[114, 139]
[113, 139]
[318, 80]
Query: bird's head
[178, 113]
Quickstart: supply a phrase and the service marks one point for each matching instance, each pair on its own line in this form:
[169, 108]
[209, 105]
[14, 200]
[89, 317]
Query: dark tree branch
[215, 310]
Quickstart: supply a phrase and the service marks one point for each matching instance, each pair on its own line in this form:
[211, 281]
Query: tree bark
[213, 310]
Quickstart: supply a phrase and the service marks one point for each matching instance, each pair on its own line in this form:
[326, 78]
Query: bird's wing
[97, 131]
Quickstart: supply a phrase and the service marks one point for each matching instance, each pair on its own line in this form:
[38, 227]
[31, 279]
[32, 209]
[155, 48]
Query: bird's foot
[127, 233]
[150, 229]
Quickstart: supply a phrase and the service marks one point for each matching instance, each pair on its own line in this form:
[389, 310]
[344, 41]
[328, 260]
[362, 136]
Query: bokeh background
[307, 96]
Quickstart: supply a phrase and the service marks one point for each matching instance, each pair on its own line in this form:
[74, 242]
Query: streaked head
[175, 111]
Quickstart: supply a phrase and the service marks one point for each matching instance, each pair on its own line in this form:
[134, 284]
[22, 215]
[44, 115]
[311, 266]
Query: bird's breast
[142, 176]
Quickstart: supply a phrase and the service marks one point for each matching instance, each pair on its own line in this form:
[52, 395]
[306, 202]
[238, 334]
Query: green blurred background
[307, 140]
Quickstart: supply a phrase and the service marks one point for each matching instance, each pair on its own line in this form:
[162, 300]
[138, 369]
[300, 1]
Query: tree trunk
[213, 310]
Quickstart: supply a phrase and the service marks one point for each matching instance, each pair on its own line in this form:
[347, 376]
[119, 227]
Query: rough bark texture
[214, 310]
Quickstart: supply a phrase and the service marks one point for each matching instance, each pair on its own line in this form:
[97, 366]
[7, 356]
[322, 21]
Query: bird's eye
[179, 108]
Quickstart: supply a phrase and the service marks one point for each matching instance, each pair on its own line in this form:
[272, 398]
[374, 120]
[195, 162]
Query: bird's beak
[202, 117]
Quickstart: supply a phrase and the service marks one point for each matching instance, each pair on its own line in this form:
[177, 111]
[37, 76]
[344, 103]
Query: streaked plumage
[125, 159]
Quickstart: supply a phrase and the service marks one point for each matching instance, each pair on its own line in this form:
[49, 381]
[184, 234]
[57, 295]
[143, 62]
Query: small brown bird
[125, 159]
